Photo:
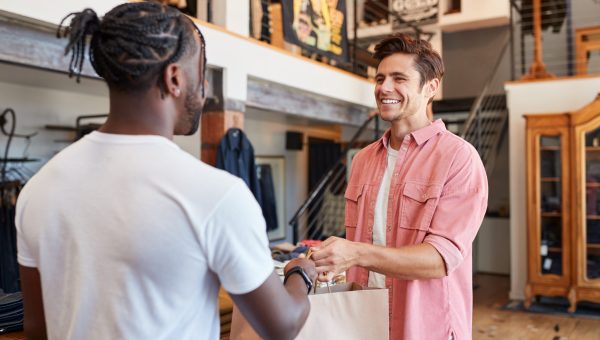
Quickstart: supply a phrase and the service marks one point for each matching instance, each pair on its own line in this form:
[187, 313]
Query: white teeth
[390, 101]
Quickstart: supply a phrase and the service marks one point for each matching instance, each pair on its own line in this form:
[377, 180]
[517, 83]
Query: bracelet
[302, 273]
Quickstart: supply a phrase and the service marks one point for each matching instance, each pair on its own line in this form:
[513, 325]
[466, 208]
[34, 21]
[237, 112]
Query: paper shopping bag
[344, 311]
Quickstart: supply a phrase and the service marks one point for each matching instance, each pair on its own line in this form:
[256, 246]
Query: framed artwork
[271, 174]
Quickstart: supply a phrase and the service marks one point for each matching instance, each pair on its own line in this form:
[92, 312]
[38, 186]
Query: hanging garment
[9, 269]
[267, 198]
[236, 156]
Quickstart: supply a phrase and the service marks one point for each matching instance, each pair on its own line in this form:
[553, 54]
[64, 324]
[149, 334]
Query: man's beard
[193, 106]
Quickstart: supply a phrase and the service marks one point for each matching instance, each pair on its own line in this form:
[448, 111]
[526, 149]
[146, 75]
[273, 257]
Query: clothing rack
[80, 129]
[11, 182]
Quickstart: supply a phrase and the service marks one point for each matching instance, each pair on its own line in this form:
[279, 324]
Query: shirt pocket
[418, 202]
[353, 197]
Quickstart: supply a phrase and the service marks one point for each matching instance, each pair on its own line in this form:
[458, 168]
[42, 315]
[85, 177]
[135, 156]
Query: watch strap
[298, 270]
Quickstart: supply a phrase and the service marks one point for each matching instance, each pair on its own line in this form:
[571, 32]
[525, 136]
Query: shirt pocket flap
[421, 192]
[353, 192]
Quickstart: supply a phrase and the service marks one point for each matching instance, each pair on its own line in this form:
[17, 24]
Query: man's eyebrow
[393, 74]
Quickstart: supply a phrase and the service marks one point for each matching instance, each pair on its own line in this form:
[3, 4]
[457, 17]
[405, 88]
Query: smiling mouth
[390, 101]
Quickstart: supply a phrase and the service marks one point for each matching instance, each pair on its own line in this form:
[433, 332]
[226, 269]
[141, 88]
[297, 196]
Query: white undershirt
[381, 205]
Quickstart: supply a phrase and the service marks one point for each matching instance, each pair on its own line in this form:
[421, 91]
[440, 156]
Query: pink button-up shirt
[438, 195]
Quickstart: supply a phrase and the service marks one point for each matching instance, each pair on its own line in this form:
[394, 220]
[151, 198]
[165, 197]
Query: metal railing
[488, 116]
[307, 222]
[560, 21]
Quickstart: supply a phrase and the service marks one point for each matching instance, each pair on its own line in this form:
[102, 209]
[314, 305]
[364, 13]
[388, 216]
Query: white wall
[239, 56]
[493, 246]
[233, 15]
[54, 11]
[475, 14]
[242, 58]
[531, 98]
[470, 58]
[36, 107]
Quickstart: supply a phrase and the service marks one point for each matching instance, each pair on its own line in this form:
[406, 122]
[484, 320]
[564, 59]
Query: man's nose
[387, 85]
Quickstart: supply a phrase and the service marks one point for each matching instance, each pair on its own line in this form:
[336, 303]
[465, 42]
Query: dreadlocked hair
[132, 44]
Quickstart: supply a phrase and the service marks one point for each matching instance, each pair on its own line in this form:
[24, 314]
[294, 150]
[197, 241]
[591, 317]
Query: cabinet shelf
[592, 148]
[551, 179]
[593, 245]
[552, 214]
[592, 184]
[550, 148]
[555, 249]
[593, 217]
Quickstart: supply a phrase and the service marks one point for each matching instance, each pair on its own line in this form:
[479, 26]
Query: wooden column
[214, 126]
[587, 40]
[537, 69]
[220, 114]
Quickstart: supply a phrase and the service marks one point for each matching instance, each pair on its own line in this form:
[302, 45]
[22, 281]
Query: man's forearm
[414, 262]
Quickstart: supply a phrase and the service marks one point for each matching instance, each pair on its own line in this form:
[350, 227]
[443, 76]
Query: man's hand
[307, 265]
[335, 255]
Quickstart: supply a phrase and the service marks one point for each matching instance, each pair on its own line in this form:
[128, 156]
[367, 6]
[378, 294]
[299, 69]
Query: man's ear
[173, 80]
[432, 86]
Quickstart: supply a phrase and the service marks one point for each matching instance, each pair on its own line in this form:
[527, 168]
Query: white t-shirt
[133, 236]
[380, 218]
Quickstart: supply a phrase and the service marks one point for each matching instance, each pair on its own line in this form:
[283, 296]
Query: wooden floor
[489, 322]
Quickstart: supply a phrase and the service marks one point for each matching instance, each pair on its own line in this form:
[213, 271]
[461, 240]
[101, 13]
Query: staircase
[488, 117]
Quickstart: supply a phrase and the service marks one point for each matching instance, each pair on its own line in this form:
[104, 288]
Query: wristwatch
[298, 270]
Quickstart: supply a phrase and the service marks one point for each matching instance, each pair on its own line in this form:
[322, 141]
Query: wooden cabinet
[563, 205]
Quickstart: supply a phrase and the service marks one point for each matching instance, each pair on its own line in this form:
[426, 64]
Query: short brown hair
[427, 61]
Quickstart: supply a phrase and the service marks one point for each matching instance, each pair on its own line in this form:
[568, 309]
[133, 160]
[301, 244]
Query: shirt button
[389, 228]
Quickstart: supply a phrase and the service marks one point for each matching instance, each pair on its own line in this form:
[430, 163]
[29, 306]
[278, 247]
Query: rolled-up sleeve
[460, 209]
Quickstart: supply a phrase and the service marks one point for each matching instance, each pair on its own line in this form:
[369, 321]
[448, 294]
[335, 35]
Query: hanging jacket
[236, 156]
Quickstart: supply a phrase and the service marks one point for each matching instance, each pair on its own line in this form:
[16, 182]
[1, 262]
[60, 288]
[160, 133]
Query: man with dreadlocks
[123, 235]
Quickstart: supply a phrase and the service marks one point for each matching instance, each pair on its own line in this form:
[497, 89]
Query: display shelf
[551, 214]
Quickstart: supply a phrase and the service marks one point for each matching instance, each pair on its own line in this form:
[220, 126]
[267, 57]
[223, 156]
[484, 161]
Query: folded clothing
[11, 313]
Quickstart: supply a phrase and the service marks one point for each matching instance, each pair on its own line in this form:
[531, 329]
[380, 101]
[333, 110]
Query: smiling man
[414, 203]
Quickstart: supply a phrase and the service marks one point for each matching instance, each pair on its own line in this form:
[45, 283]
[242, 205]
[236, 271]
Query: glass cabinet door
[551, 219]
[591, 228]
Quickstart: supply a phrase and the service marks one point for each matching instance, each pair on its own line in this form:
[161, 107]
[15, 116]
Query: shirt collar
[421, 135]
[424, 134]
[236, 139]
